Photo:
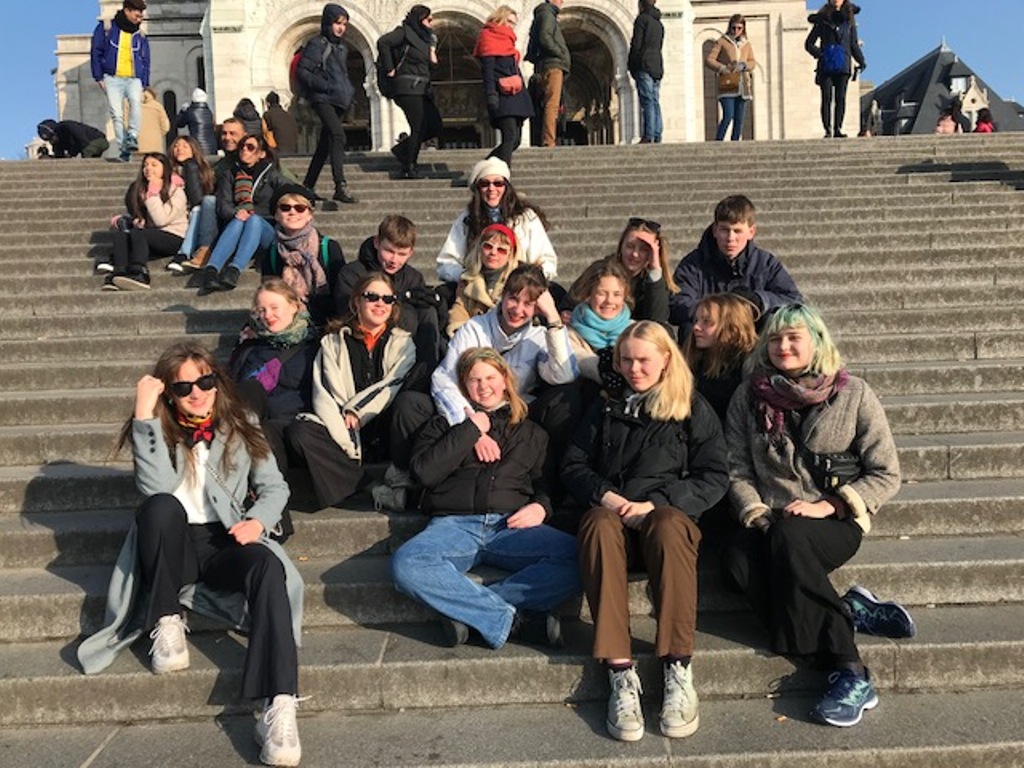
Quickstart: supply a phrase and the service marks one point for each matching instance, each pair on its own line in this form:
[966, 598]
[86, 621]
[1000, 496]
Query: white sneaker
[680, 716]
[278, 733]
[169, 651]
[104, 267]
[625, 720]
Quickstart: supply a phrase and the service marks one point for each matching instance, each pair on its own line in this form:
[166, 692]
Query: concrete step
[733, 734]
[916, 378]
[392, 669]
[958, 456]
[962, 412]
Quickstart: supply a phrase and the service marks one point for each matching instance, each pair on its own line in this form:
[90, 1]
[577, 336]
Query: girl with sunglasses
[360, 368]
[197, 542]
[732, 56]
[492, 259]
[305, 259]
[244, 195]
[493, 200]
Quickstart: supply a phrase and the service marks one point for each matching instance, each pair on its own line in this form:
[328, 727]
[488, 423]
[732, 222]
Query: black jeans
[833, 89]
[424, 124]
[136, 246]
[331, 143]
[173, 553]
[511, 135]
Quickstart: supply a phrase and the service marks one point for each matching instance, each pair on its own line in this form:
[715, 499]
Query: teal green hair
[826, 359]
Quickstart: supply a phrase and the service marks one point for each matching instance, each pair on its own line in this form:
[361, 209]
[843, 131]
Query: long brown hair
[230, 417]
[737, 335]
[135, 199]
[351, 320]
[512, 206]
[207, 178]
[636, 224]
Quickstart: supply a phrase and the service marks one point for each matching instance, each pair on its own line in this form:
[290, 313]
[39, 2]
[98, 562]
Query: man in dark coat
[550, 55]
[281, 125]
[69, 138]
[647, 69]
[323, 72]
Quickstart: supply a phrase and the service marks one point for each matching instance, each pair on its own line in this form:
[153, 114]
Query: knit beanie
[492, 166]
[199, 96]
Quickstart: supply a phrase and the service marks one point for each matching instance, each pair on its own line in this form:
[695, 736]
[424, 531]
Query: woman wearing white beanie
[198, 119]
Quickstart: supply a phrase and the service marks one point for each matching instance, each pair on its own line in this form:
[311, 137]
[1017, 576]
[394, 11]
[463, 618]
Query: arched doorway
[712, 113]
[458, 87]
[591, 105]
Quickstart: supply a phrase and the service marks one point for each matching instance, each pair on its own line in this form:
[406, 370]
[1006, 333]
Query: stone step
[961, 412]
[733, 734]
[61, 601]
[958, 649]
[942, 377]
[955, 456]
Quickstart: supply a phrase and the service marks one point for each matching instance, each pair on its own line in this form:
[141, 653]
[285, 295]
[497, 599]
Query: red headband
[506, 231]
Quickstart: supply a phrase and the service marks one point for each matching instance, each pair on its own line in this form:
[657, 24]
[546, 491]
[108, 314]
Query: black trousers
[173, 553]
[425, 123]
[833, 91]
[511, 136]
[133, 249]
[331, 143]
[784, 575]
[334, 475]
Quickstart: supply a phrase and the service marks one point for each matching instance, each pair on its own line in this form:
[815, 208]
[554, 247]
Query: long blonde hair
[669, 399]
[493, 358]
[737, 335]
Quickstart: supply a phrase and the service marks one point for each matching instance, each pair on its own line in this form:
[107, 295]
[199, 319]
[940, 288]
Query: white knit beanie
[199, 96]
[492, 166]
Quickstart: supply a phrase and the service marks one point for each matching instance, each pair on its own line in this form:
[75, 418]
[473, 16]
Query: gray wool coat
[766, 475]
[154, 474]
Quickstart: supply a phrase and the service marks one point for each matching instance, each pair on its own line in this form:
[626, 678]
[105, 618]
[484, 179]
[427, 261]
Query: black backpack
[386, 84]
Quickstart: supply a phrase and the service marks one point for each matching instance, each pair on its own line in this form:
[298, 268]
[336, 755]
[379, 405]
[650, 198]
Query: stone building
[242, 48]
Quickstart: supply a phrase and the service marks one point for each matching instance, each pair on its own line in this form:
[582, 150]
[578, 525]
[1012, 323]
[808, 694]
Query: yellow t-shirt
[125, 61]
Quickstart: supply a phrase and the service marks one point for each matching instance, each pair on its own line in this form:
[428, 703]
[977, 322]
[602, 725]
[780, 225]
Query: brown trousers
[551, 101]
[666, 545]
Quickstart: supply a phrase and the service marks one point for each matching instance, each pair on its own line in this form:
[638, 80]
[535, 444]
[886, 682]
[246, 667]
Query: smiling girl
[490, 262]
[597, 322]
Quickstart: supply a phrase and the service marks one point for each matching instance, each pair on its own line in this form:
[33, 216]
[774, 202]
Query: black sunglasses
[251, 146]
[387, 298]
[496, 183]
[184, 388]
[635, 222]
[289, 207]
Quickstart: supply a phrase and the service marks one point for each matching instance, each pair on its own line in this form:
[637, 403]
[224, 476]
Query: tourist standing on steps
[119, 57]
[407, 54]
[323, 70]
[732, 57]
[279, 124]
[197, 119]
[155, 124]
[195, 541]
[833, 41]
[647, 69]
[645, 465]
[550, 55]
[802, 518]
[508, 100]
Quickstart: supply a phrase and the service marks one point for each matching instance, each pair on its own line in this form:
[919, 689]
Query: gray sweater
[764, 475]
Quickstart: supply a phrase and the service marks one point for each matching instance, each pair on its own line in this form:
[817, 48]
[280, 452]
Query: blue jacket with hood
[323, 68]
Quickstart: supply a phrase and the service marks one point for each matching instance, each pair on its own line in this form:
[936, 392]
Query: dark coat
[194, 191]
[294, 391]
[682, 464]
[500, 105]
[325, 74]
[547, 39]
[650, 300]
[250, 118]
[266, 181]
[645, 47]
[198, 119]
[405, 51]
[833, 27]
[706, 270]
[323, 307]
[717, 390]
[282, 125]
[105, 45]
[70, 137]
[458, 483]
[404, 280]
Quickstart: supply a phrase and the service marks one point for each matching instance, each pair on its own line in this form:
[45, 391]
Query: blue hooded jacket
[323, 68]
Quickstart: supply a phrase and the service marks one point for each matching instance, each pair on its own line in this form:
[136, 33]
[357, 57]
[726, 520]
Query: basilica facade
[242, 48]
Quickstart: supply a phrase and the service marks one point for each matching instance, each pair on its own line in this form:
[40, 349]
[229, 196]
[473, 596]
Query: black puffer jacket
[682, 464]
[407, 52]
[645, 47]
[198, 120]
[324, 73]
[459, 483]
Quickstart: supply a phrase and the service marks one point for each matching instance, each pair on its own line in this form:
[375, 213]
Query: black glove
[421, 297]
[493, 103]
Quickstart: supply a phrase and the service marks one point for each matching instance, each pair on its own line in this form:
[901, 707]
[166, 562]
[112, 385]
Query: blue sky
[895, 33]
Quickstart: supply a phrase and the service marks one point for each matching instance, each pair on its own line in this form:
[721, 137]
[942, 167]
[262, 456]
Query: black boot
[536, 628]
[342, 195]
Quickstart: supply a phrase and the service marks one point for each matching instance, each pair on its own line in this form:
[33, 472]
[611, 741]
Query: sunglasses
[251, 146]
[496, 183]
[387, 298]
[184, 388]
[635, 222]
[501, 250]
[289, 207]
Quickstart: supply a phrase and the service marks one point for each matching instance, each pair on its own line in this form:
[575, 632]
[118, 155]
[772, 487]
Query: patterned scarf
[195, 428]
[775, 394]
[302, 268]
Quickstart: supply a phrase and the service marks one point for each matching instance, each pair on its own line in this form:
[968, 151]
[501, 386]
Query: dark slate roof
[924, 88]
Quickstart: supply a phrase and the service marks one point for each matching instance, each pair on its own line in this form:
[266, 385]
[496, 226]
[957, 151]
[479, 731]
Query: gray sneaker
[169, 651]
[278, 733]
[625, 720]
[680, 716]
[391, 494]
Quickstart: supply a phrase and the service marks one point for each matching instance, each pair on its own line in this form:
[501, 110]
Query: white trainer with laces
[170, 651]
[680, 716]
[278, 733]
[625, 720]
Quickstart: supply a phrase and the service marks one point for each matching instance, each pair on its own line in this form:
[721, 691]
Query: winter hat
[506, 231]
[291, 189]
[47, 130]
[199, 96]
[492, 166]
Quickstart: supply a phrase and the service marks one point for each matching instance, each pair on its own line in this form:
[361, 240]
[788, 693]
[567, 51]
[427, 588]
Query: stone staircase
[913, 250]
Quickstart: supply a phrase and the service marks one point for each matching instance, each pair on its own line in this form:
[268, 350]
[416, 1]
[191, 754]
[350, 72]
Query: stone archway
[458, 87]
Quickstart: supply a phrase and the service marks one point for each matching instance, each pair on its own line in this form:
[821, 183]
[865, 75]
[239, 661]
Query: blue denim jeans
[240, 240]
[733, 110]
[119, 89]
[647, 90]
[431, 567]
[202, 226]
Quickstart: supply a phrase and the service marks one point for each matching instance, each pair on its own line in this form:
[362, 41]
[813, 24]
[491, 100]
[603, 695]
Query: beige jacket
[155, 125]
[726, 53]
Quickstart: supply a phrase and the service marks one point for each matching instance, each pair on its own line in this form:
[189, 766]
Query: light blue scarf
[595, 330]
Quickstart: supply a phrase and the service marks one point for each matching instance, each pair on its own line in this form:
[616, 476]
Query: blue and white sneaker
[872, 616]
[848, 695]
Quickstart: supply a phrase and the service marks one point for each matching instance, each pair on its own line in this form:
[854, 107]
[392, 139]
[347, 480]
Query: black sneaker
[135, 281]
[536, 628]
[455, 632]
[412, 173]
[229, 279]
[342, 195]
[211, 280]
[109, 285]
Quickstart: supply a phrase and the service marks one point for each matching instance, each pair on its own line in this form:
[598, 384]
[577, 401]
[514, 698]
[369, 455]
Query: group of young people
[562, 435]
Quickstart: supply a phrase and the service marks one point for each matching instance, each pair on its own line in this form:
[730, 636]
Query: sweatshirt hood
[332, 12]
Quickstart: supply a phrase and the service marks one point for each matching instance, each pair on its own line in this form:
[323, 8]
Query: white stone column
[678, 105]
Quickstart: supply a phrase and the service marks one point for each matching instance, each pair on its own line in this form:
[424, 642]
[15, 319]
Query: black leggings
[137, 246]
[173, 553]
[331, 143]
[833, 88]
[424, 124]
[511, 135]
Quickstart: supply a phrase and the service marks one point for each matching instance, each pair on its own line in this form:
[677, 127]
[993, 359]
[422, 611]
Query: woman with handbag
[198, 456]
[811, 459]
[732, 57]
[508, 102]
[406, 55]
[833, 41]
